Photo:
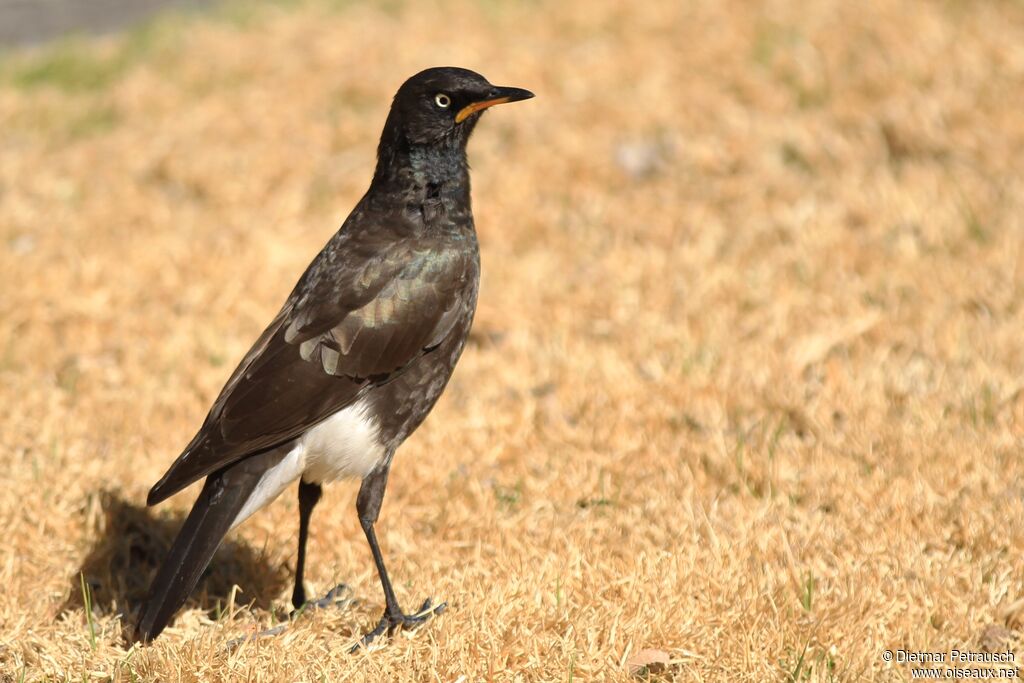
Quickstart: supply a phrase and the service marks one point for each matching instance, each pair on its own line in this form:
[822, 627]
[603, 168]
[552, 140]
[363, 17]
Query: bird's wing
[358, 317]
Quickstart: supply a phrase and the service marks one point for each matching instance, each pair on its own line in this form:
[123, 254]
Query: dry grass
[747, 377]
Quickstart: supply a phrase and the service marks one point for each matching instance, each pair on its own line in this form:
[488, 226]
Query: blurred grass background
[743, 399]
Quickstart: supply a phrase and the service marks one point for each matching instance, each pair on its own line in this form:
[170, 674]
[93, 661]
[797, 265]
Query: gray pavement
[24, 22]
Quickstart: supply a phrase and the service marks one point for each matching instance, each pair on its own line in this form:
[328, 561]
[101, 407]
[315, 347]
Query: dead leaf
[995, 638]
[648, 661]
[814, 348]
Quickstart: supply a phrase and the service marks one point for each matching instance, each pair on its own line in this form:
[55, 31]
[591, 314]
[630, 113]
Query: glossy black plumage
[400, 296]
[379, 317]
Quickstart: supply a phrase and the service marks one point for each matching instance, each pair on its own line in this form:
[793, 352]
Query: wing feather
[341, 331]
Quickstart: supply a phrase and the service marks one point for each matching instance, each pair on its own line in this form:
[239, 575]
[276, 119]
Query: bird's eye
[442, 100]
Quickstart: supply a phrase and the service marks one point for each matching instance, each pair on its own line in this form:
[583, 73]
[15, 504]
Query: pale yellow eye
[442, 100]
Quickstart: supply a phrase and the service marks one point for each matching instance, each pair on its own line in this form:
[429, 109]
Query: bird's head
[444, 103]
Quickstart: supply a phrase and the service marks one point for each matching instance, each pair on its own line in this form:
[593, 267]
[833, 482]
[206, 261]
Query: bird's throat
[423, 173]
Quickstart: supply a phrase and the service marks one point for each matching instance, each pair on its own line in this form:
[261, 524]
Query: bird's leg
[309, 496]
[371, 494]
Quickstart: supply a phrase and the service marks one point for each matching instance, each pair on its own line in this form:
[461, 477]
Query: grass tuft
[87, 606]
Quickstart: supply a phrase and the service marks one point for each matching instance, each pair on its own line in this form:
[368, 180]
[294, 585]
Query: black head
[446, 102]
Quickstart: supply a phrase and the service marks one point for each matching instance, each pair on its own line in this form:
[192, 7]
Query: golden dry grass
[746, 380]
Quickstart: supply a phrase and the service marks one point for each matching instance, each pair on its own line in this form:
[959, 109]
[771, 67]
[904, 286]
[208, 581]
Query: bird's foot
[390, 623]
[339, 596]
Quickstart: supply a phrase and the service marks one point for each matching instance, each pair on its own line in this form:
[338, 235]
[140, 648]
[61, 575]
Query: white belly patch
[344, 445]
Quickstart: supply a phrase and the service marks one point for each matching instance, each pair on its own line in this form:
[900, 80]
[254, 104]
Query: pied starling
[357, 356]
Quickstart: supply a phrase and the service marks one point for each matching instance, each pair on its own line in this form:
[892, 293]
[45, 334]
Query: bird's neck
[421, 173]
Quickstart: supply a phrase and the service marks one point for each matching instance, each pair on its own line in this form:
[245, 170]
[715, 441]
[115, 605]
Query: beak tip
[523, 94]
[510, 94]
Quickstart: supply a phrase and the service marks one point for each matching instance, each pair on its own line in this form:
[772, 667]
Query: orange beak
[497, 95]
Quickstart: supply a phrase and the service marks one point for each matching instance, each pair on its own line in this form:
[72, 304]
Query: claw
[336, 597]
[405, 622]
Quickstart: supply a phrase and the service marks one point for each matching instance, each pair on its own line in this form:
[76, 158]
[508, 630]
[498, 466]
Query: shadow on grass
[134, 539]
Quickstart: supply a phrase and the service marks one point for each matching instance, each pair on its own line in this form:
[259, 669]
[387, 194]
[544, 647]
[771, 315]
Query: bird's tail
[228, 497]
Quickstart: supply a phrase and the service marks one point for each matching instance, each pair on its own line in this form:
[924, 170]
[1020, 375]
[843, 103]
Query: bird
[356, 358]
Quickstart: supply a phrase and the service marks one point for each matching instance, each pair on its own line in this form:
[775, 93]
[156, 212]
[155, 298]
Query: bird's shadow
[132, 542]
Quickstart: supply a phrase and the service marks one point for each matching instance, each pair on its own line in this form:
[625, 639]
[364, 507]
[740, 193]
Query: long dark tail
[223, 496]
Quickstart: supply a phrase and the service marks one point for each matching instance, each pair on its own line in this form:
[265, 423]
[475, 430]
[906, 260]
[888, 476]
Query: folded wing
[334, 338]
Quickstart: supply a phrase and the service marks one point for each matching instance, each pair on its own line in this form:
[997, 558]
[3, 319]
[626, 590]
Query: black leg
[368, 502]
[309, 496]
[371, 495]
